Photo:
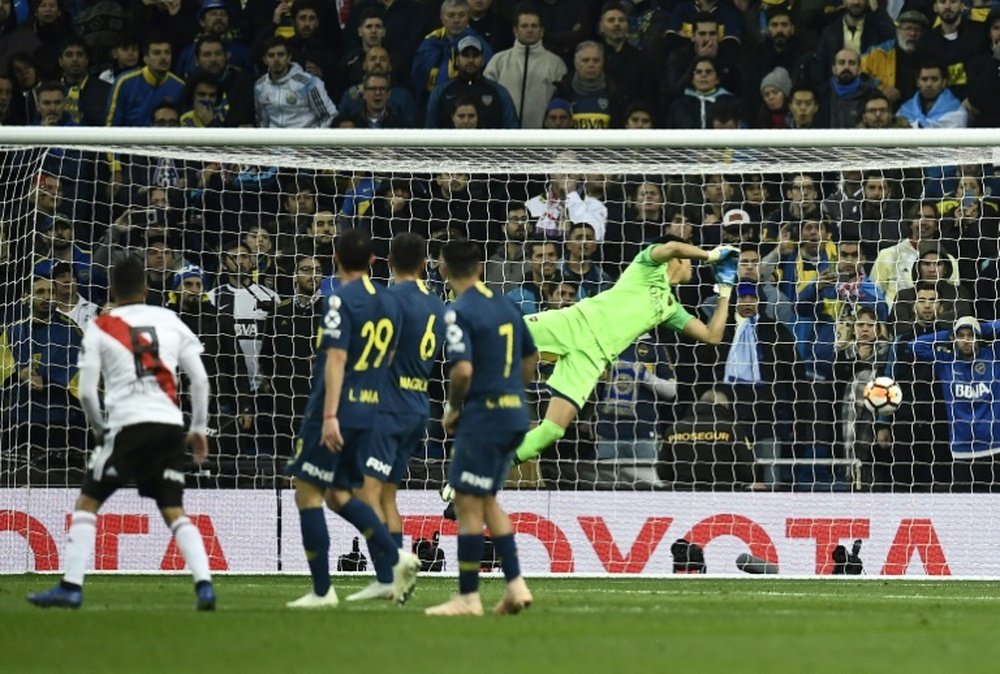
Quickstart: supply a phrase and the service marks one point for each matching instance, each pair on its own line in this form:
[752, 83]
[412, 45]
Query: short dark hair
[74, 41]
[354, 250]
[376, 75]
[876, 95]
[462, 258]
[727, 111]
[803, 87]
[154, 39]
[530, 246]
[167, 104]
[207, 38]
[201, 77]
[48, 85]
[371, 13]
[703, 17]
[408, 253]
[524, 8]
[933, 65]
[924, 284]
[128, 278]
[307, 4]
[275, 41]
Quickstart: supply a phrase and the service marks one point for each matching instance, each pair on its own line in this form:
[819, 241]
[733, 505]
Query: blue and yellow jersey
[488, 331]
[362, 319]
[421, 334]
[136, 94]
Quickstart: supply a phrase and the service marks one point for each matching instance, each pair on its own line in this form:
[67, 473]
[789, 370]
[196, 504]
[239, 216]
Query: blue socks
[316, 541]
[397, 538]
[507, 552]
[381, 547]
[470, 556]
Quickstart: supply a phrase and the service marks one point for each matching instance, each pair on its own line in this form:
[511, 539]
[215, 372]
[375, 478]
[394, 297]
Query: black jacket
[286, 357]
[223, 359]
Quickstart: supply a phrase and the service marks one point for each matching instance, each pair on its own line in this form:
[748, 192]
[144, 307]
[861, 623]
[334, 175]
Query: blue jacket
[971, 390]
[496, 107]
[53, 349]
[137, 93]
[435, 62]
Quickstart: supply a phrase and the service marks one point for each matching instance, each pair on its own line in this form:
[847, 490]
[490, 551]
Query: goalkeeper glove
[725, 271]
[722, 253]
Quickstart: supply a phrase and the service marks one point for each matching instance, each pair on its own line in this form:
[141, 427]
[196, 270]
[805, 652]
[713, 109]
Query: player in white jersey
[137, 348]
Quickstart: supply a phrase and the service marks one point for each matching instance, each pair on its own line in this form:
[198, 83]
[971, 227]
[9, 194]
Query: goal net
[859, 255]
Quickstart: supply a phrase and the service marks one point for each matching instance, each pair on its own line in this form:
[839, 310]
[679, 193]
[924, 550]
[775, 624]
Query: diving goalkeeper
[587, 337]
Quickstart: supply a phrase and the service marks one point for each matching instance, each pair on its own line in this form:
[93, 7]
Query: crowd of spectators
[501, 64]
[839, 272]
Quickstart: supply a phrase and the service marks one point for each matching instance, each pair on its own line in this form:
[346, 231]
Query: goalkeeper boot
[460, 604]
[313, 600]
[515, 599]
[206, 596]
[375, 590]
[404, 576]
[58, 596]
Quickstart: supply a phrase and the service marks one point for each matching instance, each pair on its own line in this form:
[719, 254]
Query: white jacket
[296, 101]
[533, 68]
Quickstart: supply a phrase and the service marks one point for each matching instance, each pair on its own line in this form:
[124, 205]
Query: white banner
[558, 532]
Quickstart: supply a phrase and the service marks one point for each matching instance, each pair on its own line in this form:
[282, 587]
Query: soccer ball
[883, 396]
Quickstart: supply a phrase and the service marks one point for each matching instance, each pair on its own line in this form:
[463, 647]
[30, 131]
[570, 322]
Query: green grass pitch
[147, 624]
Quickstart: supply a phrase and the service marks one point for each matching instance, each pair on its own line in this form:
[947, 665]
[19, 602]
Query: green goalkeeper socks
[538, 439]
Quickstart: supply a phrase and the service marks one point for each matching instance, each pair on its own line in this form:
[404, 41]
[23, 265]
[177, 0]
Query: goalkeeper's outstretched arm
[678, 250]
[713, 332]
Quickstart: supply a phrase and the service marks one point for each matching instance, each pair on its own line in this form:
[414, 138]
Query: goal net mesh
[847, 255]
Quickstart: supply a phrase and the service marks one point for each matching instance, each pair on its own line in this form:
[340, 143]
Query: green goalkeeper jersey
[640, 300]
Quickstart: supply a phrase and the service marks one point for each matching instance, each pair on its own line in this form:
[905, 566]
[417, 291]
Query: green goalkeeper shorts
[565, 335]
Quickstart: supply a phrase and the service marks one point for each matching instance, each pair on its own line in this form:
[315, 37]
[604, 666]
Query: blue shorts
[314, 463]
[482, 460]
[397, 436]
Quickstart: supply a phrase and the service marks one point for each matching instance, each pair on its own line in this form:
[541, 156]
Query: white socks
[192, 547]
[79, 545]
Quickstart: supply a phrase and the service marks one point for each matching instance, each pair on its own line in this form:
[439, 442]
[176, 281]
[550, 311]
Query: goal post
[854, 243]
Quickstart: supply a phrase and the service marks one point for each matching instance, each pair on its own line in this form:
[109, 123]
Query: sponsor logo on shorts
[378, 466]
[173, 475]
[319, 473]
[476, 480]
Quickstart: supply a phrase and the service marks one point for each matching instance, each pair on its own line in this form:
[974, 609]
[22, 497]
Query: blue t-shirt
[421, 333]
[488, 331]
[971, 390]
[362, 319]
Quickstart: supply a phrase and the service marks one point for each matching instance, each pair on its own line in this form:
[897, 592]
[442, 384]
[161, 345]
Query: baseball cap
[968, 322]
[559, 104]
[189, 271]
[468, 42]
[212, 4]
[735, 216]
[913, 16]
